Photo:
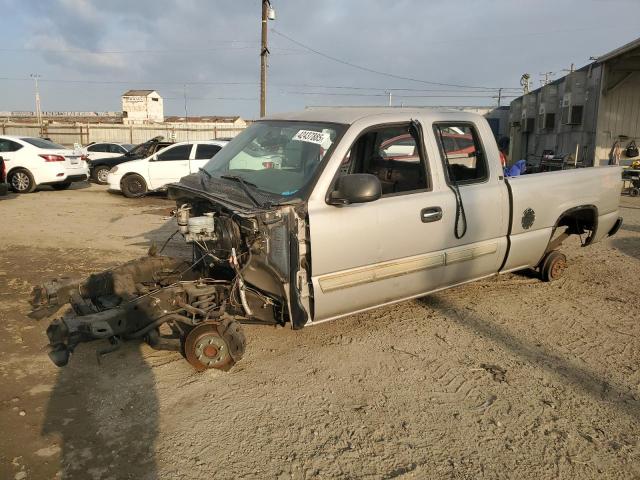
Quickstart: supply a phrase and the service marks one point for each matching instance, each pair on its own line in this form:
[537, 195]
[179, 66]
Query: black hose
[453, 185]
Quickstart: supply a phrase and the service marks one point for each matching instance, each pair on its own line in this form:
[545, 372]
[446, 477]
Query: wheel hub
[204, 348]
[102, 175]
[20, 181]
[558, 268]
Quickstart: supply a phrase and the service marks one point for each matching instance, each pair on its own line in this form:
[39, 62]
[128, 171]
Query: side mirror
[355, 188]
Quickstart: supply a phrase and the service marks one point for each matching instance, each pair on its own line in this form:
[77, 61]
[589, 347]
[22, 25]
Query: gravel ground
[504, 378]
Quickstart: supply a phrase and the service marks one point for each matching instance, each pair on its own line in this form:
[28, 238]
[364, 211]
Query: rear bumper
[53, 173]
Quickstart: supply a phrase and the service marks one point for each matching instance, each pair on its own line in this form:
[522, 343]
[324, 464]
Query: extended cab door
[169, 165]
[469, 158]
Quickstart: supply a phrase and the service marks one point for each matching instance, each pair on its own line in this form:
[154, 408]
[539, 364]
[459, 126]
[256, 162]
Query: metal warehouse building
[593, 111]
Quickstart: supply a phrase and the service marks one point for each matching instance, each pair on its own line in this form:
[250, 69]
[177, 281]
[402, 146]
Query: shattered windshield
[278, 157]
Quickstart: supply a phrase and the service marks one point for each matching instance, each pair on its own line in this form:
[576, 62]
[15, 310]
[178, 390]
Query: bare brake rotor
[215, 345]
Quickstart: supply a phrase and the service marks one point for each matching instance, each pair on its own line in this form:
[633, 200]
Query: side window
[390, 153]
[181, 152]
[9, 146]
[461, 152]
[205, 152]
[99, 147]
[115, 148]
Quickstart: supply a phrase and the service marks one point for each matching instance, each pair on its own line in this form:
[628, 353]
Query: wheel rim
[20, 181]
[135, 185]
[558, 267]
[102, 175]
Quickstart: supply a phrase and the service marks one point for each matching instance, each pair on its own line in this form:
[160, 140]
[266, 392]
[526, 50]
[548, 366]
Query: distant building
[593, 111]
[142, 106]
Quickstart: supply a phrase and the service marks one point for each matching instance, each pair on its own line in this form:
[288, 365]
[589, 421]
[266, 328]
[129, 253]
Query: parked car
[99, 167]
[319, 239]
[137, 177]
[32, 161]
[97, 150]
[4, 186]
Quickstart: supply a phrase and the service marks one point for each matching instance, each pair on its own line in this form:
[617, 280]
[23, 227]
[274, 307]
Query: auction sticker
[311, 136]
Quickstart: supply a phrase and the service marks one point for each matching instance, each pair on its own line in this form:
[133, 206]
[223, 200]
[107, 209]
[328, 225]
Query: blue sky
[89, 52]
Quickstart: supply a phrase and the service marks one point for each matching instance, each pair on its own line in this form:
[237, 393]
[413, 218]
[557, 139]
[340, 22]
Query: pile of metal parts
[168, 302]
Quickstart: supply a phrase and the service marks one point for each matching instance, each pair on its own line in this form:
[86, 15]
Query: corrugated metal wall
[619, 114]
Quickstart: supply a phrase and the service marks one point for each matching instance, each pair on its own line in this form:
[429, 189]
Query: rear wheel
[22, 181]
[553, 266]
[61, 185]
[133, 186]
[100, 175]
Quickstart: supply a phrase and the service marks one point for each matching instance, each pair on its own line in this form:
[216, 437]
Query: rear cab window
[463, 155]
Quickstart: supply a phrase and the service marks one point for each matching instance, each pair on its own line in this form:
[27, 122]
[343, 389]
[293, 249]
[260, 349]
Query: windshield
[42, 143]
[278, 157]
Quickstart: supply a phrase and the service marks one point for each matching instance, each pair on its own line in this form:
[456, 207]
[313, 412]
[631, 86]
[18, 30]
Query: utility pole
[389, 93]
[267, 14]
[499, 97]
[35, 77]
[547, 77]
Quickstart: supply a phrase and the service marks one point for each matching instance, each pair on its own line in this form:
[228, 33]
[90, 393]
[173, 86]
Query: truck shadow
[628, 245]
[598, 387]
[105, 416]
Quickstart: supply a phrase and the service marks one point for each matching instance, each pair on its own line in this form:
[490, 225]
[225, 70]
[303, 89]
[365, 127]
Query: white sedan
[32, 161]
[137, 177]
[97, 150]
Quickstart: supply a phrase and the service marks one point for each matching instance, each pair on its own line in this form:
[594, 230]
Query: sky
[323, 52]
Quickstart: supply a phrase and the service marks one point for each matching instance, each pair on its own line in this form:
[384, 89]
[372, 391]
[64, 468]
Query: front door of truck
[369, 254]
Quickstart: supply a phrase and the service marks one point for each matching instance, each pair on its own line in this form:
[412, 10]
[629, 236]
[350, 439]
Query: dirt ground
[505, 378]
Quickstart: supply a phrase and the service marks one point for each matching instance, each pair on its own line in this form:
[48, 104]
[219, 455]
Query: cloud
[164, 43]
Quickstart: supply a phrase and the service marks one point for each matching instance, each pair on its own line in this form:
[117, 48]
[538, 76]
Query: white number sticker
[310, 136]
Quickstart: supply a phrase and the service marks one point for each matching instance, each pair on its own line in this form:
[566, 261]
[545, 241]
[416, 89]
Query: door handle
[430, 214]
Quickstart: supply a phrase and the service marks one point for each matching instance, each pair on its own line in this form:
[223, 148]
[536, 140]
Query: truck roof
[349, 115]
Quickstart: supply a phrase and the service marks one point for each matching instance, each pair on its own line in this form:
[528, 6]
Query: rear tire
[61, 185]
[21, 181]
[553, 266]
[133, 186]
[100, 175]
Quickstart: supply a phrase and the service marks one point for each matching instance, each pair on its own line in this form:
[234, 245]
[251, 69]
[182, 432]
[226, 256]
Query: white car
[137, 177]
[32, 161]
[105, 150]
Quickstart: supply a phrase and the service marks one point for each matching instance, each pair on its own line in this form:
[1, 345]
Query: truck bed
[539, 200]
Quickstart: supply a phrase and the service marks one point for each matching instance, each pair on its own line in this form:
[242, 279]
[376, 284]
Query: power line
[371, 70]
[455, 95]
[284, 85]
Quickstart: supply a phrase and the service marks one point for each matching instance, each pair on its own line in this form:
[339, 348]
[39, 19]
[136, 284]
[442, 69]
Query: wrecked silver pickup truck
[312, 216]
